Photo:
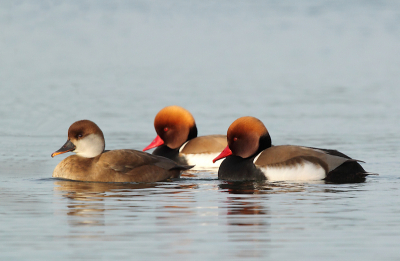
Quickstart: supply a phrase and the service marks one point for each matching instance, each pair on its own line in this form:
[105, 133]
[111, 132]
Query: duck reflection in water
[252, 210]
[241, 208]
[247, 214]
[87, 200]
[260, 187]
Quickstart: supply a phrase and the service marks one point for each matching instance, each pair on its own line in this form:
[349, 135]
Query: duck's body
[118, 166]
[250, 156]
[293, 163]
[199, 151]
[92, 163]
[177, 139]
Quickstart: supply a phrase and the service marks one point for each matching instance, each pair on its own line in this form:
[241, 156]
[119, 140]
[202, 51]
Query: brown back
[118, 166]
[205, 144]
[288, 155]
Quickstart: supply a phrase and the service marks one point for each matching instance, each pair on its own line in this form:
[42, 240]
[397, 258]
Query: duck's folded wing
[288, 155]
[205, 144]
[125, 160]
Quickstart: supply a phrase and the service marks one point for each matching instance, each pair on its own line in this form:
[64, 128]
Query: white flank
[256, 158]
[300, 172]
[202, 161]
[184, 144]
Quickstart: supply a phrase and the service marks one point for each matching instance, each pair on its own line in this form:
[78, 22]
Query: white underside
[300, 172]
[202, 161]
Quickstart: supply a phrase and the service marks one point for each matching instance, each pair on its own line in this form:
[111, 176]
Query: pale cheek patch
[300, 172]
[90, 146]
[202, 161]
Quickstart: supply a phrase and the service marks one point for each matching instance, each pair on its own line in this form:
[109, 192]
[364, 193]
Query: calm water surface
[317, 73]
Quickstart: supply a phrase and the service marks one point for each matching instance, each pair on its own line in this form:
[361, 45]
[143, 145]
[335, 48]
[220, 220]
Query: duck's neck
[192, 133]
[264, 143]
[172, 154]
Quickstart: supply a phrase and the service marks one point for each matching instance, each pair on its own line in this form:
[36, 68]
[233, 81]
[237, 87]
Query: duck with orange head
[177, 139]
[250, 156]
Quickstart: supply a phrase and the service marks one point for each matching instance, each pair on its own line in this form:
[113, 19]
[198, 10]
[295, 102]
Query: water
[317, 73]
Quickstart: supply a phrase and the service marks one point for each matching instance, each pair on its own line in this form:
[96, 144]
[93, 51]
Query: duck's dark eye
[79, 135]
[166, 129]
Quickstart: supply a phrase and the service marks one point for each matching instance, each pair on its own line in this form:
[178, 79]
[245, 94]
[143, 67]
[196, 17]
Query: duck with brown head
[177, 139]
[250, 156]
[93, 163]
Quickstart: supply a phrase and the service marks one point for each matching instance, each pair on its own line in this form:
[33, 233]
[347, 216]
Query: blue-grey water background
[317, 73]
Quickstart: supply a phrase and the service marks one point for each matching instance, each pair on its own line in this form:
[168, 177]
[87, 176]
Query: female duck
[177, 139]
[93, 163]
[250, 156]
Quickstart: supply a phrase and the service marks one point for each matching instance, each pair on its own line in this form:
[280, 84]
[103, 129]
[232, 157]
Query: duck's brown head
[174, 126]
[85, 138]
[246, 136]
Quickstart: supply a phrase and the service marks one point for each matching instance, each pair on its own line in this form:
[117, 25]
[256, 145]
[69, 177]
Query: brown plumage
[284, 153]
[85, 138]
[205, 144]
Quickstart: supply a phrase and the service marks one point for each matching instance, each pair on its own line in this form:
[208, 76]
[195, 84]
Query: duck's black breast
[235, 168]
[169, 153]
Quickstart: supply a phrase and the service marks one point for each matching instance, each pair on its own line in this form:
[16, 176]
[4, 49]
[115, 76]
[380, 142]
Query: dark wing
[336, 153]
[332, 152]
